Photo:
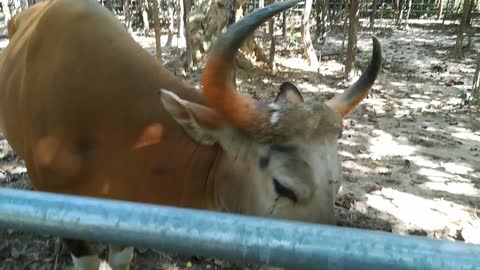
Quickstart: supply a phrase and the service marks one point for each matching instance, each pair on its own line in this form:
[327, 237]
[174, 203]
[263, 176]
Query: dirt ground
[411, 151]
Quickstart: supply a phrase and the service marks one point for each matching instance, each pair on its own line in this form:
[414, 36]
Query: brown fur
[80, 106]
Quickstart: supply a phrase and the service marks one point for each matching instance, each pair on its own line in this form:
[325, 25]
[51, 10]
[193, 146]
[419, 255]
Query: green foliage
[137, 19]
[293, 40]
[468, 98]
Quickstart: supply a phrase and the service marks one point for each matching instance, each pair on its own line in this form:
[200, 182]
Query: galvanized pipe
[294, 245]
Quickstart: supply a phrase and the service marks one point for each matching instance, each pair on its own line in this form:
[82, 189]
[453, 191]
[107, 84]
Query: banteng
[92, 113]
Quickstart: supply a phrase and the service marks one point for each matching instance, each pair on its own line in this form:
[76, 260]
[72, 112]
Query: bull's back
[79, 105]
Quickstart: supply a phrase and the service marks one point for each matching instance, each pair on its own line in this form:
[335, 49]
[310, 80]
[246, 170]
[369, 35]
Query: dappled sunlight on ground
[447, 182]
[382, 144]
[467, 135]
[411, 152]
[415, 212]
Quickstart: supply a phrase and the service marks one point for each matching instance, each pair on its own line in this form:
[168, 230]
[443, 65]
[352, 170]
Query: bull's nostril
[284, 191]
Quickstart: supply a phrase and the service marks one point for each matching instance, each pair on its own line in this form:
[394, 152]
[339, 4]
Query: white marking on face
[275, 117]
[274, 106]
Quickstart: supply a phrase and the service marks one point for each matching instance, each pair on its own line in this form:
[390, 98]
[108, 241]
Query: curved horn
[344, 103]
[241, 111]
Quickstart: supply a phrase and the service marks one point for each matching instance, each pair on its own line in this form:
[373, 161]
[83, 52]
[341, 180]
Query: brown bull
[92, 113]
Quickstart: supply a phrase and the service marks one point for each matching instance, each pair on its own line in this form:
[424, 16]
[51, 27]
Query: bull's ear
[200, 122]
[289, 93]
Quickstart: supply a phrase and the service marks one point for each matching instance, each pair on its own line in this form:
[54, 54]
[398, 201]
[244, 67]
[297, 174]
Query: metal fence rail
[233, 237]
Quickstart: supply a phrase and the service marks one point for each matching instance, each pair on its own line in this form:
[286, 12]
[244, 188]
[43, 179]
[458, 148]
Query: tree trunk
[409, 9]
[345, 28]
[180, 26]
[188, 49]
[306, 38]
[476, 81]
[325, 12]
[321, 8]
[207, 21]
[461, 27]
[7, 15]
[128, 15]
[171, 22]
[261, 3]
[284, 24]
[231, 9]
[318, 19]
[158, 31]
[352, 38]
[469, 14]
[143, 9]
[440, 9]
[398, 11]
[271, 37]
[373, 14]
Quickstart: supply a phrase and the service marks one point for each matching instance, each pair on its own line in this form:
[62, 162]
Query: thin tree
[128, 15]
[271, 37]
[180, 24]
[318, 19]
[185, 9]
[179, 19]
[325, 12]
[476, 81]
[321, 10]
[461, 28]
[231, 10]
[345, 28]
[407, 16]
[171, 22]
[470, 30]
[398, 11]
[308, 49]
[352, 38]
[373, 14]
[158, 33]
[439, 9]
[143, 9]
[447, 9]
[470, 9]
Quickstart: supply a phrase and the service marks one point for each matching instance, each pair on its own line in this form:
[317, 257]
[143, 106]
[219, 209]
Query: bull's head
[278, 159]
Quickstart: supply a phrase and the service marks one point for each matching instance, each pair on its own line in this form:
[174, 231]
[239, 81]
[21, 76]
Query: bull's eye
[283, 191]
